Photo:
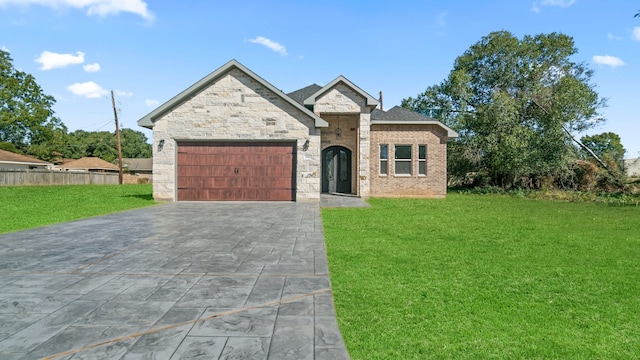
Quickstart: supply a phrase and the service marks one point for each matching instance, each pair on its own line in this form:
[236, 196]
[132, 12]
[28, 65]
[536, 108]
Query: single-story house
[632, 167]
[138, 166]
[234, 136]
[13, 161]
[91, 164]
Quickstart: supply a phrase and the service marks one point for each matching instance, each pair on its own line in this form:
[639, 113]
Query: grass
[486, 276]
[25, 207]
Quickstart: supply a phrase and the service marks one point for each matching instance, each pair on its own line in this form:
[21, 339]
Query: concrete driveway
[174, 281]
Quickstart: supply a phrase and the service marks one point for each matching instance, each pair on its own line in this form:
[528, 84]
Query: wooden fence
[49, 177]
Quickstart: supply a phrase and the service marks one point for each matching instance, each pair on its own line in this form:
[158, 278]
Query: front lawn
[486, 276]
[24, 207]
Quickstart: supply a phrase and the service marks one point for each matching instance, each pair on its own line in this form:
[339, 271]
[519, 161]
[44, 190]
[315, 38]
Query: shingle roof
[89, 163]
[301, 94]
[144, 164]
[8, 156]
[399, 115]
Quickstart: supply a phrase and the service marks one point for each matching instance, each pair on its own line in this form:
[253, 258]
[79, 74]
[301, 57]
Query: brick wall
[434, 184]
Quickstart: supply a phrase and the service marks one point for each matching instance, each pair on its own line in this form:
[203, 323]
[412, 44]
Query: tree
[26, 113]
[607, 146]
[134, 144]
[102, 144]
[515, 104]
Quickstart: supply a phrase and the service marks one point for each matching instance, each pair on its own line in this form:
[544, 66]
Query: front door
[336, 170]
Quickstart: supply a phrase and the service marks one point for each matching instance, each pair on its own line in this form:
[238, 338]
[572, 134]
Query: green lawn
[26, 207]
[486, 276]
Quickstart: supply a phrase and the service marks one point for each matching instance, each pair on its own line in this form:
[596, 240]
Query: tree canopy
[515, 103]
[102, 144]
[26, 113]
[607, 146]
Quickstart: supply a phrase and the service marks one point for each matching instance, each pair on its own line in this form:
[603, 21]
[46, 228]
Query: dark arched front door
[336, 170]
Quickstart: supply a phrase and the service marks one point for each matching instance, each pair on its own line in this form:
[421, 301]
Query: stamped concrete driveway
[174, 281]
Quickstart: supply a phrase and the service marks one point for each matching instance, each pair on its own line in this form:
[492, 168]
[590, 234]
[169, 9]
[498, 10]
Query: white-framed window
[422, 160]
[384, 159]
[402, 158]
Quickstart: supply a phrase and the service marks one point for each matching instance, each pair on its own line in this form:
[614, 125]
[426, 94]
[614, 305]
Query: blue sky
[148, 51]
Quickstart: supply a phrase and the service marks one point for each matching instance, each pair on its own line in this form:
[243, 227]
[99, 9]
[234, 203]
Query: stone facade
[338, 104]
[434, 184]
[236, 107]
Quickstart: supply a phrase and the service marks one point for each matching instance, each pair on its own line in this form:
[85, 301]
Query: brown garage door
[236, 171]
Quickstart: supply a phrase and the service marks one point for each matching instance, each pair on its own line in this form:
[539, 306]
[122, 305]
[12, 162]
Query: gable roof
[370, 101]
[400, 116]
[149, 119]
[141, 164]
[301, 94]
[9, 157]
[90, 163]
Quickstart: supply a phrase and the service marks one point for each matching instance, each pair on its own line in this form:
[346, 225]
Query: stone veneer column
[364, 143]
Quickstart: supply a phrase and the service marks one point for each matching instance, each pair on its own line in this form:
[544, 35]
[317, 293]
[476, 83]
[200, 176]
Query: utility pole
[115, 115]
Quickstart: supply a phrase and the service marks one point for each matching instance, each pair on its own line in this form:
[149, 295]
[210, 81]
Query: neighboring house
[632, 167]
[91, 164]
[13, 161]
[138, 166]
[234, 136]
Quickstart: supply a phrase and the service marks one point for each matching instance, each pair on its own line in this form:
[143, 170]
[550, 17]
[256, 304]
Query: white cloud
[123, 93]
[613, 37]
[51, 60]
[4, 48]
[635, 34]
[87, 89]
[280, 49]
[608, 60]
[95, 67]
[93, 7]
[151, 102]
[559, 3]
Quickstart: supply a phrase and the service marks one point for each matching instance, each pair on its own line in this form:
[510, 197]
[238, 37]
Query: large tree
[102, 144]
[606, 146]
[26, 113]
[516, 103]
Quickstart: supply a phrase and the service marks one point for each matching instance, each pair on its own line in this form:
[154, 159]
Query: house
[91, 164]
[138, 166]
[632, 167]
[13, 161]
[234, 136]
[137, 171]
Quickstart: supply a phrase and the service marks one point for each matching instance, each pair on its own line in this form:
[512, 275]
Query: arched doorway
[336, 170]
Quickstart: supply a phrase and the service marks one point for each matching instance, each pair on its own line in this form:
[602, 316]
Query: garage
[243, 171]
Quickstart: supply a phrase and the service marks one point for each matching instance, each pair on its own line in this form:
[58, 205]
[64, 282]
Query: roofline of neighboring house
[370, 100]
[148, 120]
[450, 132]
[25, 163]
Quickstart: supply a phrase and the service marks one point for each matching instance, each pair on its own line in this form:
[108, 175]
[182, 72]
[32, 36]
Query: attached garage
[236, 171]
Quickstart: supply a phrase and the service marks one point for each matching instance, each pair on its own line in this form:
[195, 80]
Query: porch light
[160, 145]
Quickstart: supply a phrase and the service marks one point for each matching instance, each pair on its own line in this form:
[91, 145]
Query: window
[422, 159]
[403, 159]
[384, 159]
